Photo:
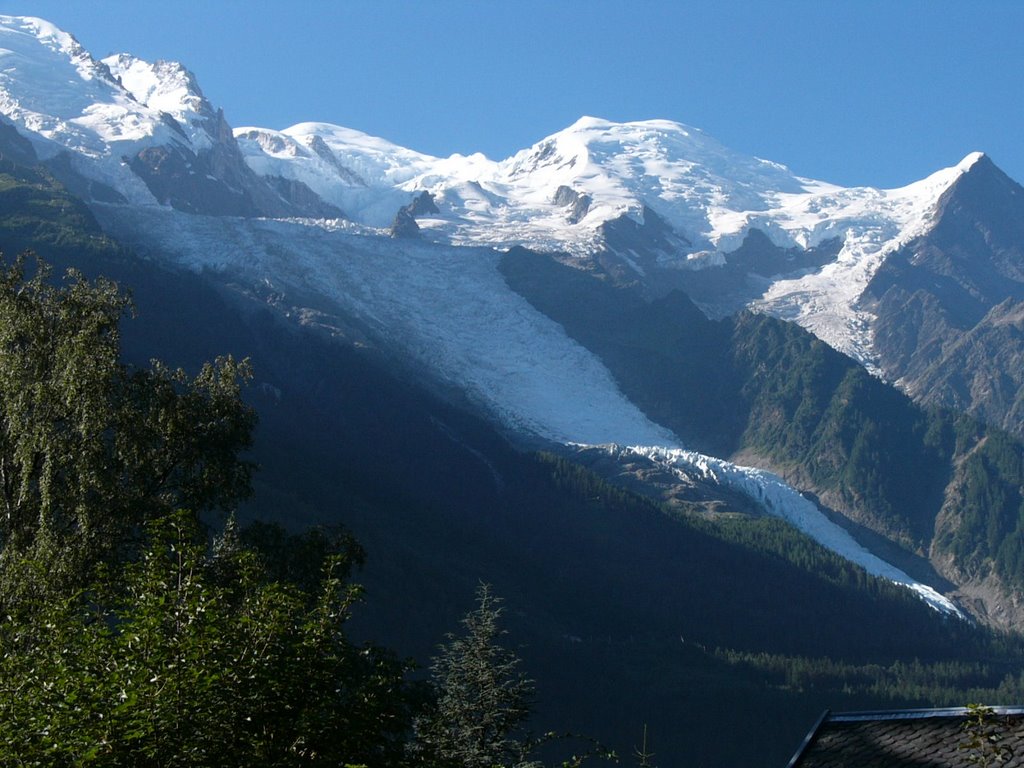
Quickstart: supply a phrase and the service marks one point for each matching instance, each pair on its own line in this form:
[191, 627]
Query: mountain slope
[609, 592]
[441, 307]
[441, 500]
[948, 303]
[768, 393]
[143, 133]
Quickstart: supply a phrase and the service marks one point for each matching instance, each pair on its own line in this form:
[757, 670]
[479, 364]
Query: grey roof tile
[934, 738]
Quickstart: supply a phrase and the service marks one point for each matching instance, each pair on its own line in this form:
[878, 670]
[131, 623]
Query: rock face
[576, 203]
[632, 249]
[405, 224]
[215, 180]
[950, 304]
[423, 205]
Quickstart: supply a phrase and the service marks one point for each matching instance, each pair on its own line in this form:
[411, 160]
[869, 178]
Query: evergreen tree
[483, 698]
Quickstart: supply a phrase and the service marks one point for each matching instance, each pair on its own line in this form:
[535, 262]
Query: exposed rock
[722, 290]
[62, 166]
[405, 224]
[304, 199]
[950, 304]
[319, 146]
[578, 203]
[681, 491]
[634, 249]
[423, 205]
[15, 149]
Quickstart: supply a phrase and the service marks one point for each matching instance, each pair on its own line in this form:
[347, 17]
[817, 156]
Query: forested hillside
[624, 611]
[771, 393]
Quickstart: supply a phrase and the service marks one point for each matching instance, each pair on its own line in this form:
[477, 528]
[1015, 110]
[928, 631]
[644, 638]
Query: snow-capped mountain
[328, 219]
[655, 196]
[570, 191]
[139, 133]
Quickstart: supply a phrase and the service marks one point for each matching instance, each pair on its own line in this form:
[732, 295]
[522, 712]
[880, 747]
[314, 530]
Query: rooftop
[928, 738]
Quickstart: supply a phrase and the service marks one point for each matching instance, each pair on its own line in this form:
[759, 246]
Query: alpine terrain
[725, 434]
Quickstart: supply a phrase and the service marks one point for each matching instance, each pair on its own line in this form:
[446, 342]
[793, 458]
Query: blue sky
[857, 92]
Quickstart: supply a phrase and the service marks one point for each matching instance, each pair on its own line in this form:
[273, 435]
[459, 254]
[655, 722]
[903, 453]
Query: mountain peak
[971, 160]
[43, 31]
[168, 87]
[590, 123]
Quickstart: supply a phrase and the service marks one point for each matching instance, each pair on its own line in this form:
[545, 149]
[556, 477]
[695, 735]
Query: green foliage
[900, 682]
[126, 640]
[90, 449]
[883, 459]
[37, 212]
[752, 383]
[482, 701]
[983, 737]
[482, 697]
[987, 505]
[186, 658]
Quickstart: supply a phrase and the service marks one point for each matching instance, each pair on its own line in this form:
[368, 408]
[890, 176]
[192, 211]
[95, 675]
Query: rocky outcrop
[405, 224]
[303, 199]
[726, 288]
[577, 204]
[423, 205]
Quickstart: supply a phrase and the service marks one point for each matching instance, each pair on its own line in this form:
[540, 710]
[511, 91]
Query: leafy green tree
[89, 448]
[195, 658]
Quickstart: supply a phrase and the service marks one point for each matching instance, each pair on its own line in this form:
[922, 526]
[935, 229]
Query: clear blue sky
[856, 92]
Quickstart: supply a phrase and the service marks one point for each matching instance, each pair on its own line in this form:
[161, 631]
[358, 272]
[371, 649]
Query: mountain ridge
[307, 214]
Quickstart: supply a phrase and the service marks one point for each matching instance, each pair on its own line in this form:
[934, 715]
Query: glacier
[441, 300]
[449, 309]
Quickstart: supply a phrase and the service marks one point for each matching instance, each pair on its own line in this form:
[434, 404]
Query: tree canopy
[90, 449]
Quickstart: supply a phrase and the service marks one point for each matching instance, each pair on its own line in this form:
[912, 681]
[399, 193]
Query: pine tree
[483, 698]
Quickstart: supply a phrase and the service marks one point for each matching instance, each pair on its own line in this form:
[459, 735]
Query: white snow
[61, 98]
[449, 308]
[443, 301]
[709, 194]
[167, 87]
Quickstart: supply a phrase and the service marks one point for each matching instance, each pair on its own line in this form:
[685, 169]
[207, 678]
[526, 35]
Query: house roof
[926, 738]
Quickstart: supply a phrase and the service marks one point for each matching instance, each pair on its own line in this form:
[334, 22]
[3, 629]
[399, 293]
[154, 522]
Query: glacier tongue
[450, 309]
[781, 500]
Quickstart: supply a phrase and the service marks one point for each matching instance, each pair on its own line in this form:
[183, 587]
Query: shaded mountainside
[950, 303]
[629, 613]
[755, 386]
